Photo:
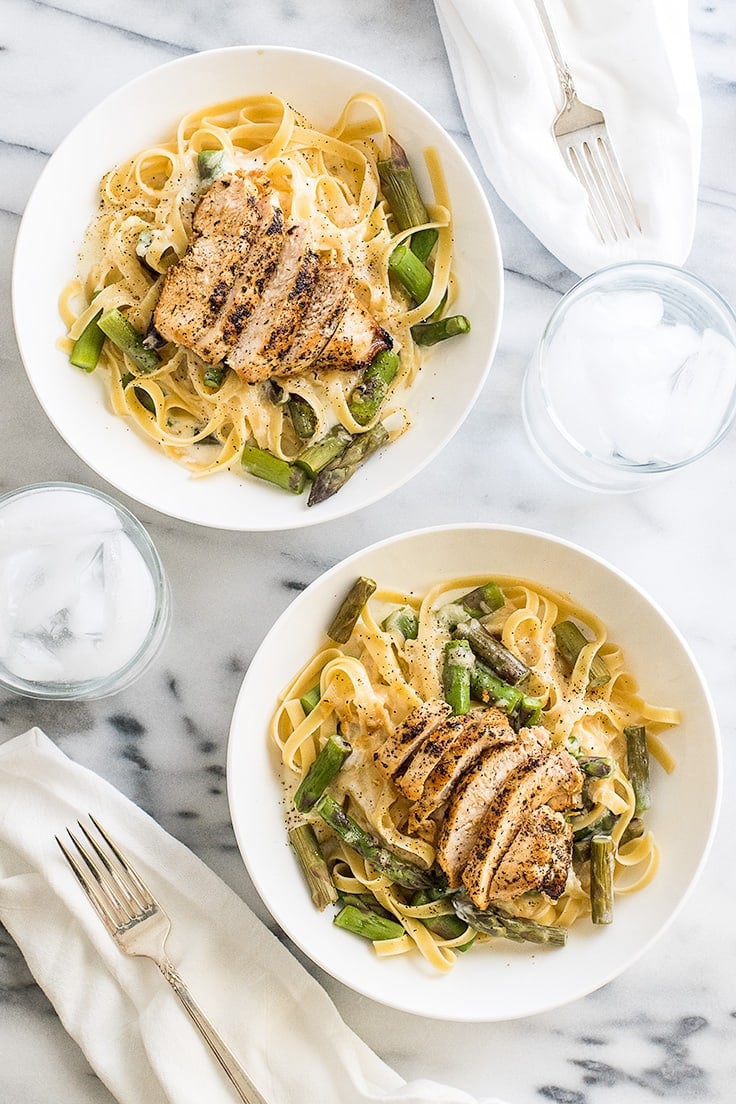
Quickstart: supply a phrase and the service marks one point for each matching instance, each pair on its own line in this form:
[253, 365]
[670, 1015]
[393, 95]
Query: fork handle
[239, 1078]
[563, 72]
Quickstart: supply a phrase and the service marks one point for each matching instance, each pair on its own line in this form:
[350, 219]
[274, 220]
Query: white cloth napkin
[631, 60]
[274, 1015]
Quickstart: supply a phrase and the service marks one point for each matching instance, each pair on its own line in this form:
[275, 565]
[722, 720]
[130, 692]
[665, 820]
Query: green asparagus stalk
[413, 274]
[335, 474]
[310, 700]
[390, 865]
[314, 867]
[324, 768]
[570, 642]
[87, 348]
[350, 610]
[404, 201]
[488, 688]
[458, 661]
[603, 827]
[494, 921]
[601, 879]
[402, 622]
[446, 925]
[637, 754]
[492, 652]
[123, 334]
[369, 393]
[483, 600]
[597, 766]
[317, 456]
[303, 418]
[264, 465]
[430, 333]
[210, 165]
[214, 376]
[366, 902]
[371, 925]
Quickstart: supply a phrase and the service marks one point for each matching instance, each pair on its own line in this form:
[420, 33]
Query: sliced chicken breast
[538, 858]
[411, 780]
[417, 727]
[552, 778]
[252, 293]
[472, 797]
[483, 729]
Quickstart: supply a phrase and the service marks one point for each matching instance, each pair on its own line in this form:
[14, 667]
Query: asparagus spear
[210, 164]
[458, 662]
[214, 376]
[494, 921]
[498, 657]
[324, 768]
[366, 902]
[570, 642]
[485, 599]
[601, 879]
[597, 766]
[402, 622]
[314, 867]
[335, 474]
[350, 610]
[430, 333]
[371, 925]
[390, 865]
[310, 699]
[603, 827]
[369, 394]
[637, 754]
[264, 465]
[404, 201]
[317, 456]
[123, 334]
[488, 688]
[88, 346]
[303, 418]
[413, 274]
[447, 925]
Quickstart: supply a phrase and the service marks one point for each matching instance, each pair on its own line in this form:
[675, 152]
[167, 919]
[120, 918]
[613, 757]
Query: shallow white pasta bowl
[499, 980]
[146, 111]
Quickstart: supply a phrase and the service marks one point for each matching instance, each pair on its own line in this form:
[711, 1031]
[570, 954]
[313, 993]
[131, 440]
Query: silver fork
[139, 926]
[584, 141]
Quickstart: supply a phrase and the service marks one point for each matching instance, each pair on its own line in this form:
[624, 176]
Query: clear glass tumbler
[634, 377]
[84, 599]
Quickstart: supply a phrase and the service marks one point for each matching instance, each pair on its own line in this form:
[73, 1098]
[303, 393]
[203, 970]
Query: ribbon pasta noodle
[370, 685]
[327, 180]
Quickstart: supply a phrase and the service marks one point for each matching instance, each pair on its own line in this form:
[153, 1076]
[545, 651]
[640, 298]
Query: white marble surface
[666, 1030]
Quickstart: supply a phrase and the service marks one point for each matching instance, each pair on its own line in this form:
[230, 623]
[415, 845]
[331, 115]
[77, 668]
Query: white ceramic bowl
[503, 980]
[147, 110]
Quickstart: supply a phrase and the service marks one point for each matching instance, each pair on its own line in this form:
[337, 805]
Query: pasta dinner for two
[259, 293]
[468, 764]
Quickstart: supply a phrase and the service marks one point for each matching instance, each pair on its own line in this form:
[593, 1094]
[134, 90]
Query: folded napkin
[633, 62]
[277, 1019]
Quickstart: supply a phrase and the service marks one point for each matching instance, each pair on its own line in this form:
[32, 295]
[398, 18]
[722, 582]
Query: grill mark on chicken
[413, 777]
[554, 779]
[251, 292]
[420, 723]
[473, 796]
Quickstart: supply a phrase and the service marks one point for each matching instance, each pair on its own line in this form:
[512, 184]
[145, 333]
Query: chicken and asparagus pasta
[467, 765]
[259, 292]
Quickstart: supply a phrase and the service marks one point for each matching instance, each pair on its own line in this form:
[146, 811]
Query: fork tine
[579, 171]
[132, 878]
[130, 890]
[617, 182]
[99, 901]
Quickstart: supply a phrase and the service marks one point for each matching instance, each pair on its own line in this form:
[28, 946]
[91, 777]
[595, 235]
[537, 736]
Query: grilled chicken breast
[538, 858]
[417, 727]
[472, 797]
[250, 291]
[482, 729]
[552, 778]
[412, 778]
